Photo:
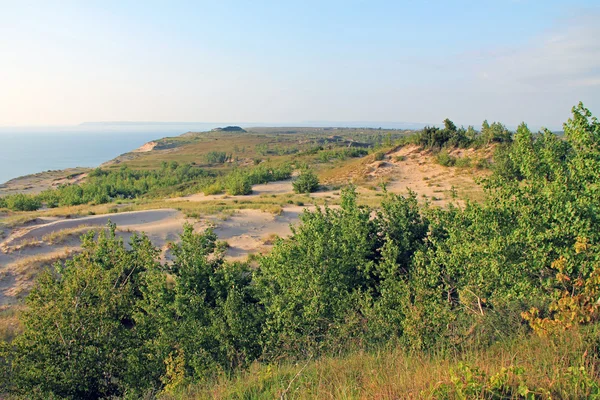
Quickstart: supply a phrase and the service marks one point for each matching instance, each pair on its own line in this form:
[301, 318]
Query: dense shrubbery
[113, 321]
[20, 202]
[104, 186]
[239, 181]
[450, 136]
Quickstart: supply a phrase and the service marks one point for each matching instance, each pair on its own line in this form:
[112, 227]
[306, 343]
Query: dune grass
[564, 367]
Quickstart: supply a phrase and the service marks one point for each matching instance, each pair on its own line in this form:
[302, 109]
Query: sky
[68, 62]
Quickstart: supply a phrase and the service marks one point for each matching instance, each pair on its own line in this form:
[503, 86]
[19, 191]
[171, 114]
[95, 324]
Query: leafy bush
[306, 182]
[445, 159]
[462, 162]
[113, 321]
[216, 157]
[238, 183]
[215, 188]
[21, 202]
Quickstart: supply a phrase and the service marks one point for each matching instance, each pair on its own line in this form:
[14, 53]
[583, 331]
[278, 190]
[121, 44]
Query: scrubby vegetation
[400, 281]
[105, 186]
[450, 136]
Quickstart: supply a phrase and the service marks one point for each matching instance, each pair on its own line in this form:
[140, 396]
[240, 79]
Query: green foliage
[338, 265]
[470, 383]
[113, 321]
[262, 149]
[342, 154]
[449, 136]
[463, 162]
[80, 339]
[306, 182]
[103, 186]
[445, 159]
[265, 173]
[495, 133]
[238, 183]
[432, 137]
[217, 157]
[215, 188]
[20, 202]
[200, 311]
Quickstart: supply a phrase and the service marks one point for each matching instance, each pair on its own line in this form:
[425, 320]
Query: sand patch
[146, 147]
[251, 231]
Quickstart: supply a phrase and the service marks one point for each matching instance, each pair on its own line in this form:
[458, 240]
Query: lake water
[24, 152]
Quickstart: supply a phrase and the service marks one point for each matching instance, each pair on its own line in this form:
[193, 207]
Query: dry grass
[10, 325]
[396, 374]
[60, 237]
[26, 269]
[274, 209]
[269, 239]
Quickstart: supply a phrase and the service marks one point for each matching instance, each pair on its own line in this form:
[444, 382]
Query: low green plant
[463, 162]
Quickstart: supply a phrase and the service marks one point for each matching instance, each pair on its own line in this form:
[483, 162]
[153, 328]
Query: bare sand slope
[150, 221]
[29, 249]
[251, 231]
[421, 174]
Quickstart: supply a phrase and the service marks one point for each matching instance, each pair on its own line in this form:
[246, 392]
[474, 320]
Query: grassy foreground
[561, 367]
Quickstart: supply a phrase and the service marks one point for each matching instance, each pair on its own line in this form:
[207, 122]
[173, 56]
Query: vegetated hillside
[390, 299]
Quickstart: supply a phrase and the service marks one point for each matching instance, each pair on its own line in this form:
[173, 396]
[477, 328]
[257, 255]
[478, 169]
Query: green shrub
[216, 157]
[462, 162]
[306, 182]
[445, 159]
[238, 183]
[379, 156]
[215, 188]
[22, 202]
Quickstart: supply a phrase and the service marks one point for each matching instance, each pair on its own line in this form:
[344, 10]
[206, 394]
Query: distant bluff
[229, 129]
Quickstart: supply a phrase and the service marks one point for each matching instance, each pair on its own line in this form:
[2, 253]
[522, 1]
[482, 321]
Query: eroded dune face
[146, 147]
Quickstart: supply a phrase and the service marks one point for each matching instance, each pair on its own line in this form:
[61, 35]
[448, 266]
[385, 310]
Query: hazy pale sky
[66, 62]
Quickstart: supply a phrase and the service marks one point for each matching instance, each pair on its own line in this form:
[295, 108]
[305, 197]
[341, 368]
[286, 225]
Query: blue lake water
[28, 152]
